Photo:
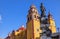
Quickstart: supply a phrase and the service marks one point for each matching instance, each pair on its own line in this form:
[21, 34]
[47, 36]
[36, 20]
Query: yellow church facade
[32, 30]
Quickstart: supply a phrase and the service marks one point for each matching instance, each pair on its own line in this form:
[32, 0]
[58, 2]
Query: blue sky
[13, 13]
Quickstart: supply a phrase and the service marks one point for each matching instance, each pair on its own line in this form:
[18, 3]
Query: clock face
[32, 9]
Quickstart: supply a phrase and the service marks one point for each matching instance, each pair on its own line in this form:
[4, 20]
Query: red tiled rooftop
[22, 28]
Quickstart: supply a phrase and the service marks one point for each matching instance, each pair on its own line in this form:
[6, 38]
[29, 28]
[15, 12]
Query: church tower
[52, 23]
[33, 23]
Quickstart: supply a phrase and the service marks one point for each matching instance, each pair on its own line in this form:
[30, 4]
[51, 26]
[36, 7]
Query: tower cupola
[51, 23]
[33, 9]
[49, 15]
[32, 13]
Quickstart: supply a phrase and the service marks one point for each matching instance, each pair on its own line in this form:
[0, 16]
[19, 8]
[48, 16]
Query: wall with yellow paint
[52, 26]
[29, 29]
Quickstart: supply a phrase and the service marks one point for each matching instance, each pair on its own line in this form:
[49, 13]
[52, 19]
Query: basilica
[33, 24]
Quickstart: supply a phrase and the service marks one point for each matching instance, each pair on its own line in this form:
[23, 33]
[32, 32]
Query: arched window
[34, 16]
[28, 18]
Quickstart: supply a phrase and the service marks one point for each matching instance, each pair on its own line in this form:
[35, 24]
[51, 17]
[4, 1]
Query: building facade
[32, 30]
[17, 34]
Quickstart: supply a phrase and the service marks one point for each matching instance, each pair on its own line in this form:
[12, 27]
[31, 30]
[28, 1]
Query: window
[28, 19]
[34, 16]
[37, 29]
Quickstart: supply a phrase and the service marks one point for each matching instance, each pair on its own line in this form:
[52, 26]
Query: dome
[22, 28]
[32, 6]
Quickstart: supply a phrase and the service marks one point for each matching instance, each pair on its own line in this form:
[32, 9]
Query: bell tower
[33, 23]
[52, 23]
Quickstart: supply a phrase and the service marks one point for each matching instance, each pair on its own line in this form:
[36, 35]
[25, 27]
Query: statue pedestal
[45, 37]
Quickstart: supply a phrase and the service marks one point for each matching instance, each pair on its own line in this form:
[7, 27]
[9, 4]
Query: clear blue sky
[13, 13]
